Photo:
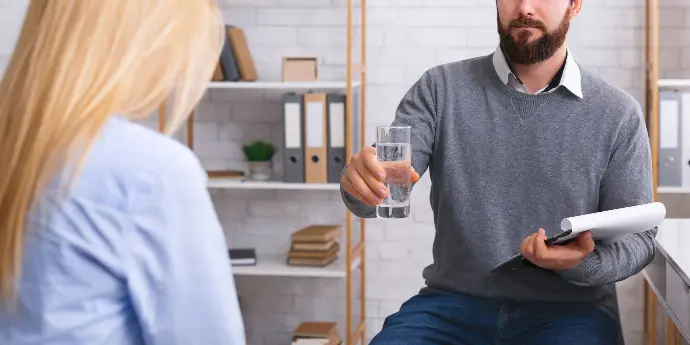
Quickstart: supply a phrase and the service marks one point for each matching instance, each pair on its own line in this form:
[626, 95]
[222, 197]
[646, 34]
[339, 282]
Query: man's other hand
[556, 257]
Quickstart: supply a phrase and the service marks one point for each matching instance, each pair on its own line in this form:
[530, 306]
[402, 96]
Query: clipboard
[518, 260]
[605, 226]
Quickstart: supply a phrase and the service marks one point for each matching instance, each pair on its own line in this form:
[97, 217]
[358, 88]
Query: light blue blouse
[134, 255]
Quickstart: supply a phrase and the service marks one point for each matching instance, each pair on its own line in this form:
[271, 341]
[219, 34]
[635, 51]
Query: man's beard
[521, 51]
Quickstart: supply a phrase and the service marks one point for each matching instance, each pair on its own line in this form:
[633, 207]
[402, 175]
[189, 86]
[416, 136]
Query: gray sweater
[505, 163]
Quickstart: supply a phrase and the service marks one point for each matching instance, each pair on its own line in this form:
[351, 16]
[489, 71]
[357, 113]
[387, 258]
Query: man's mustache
[525, 22]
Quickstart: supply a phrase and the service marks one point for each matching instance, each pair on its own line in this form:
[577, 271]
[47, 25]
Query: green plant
[259, 151]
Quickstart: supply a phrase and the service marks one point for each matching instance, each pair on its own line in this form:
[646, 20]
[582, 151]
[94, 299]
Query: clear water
[395, 159]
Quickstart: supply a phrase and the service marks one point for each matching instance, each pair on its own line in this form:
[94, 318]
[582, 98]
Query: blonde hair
[76, 64]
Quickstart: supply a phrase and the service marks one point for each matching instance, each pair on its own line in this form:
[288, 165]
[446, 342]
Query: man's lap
[435, 317]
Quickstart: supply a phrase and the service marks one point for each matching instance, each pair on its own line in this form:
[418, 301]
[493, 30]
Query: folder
[217, 73]
[685, 133]
[670, 139]
[335, 136]
[315, 160]
[227, 59]
[293, 152]
[240, 48]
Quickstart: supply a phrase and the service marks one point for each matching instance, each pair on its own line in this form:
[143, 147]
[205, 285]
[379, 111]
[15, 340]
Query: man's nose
[527, 7]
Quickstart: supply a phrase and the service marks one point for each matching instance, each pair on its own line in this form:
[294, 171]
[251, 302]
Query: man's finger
[372, 181]
[524, 243]
[414, 176]
[523, 246]
[585, 242]
[540, 249]
[528, 245]
[348, 187]
[362, 187]
[372, 163]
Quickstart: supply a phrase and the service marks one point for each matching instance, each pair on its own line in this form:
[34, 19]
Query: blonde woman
[107, 232]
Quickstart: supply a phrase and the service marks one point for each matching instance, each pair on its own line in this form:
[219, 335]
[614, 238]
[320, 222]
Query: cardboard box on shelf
[300, 69]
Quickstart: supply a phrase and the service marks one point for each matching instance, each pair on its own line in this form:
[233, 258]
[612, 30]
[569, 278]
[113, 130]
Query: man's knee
[411, 324]
[438, 318]
[405, 328]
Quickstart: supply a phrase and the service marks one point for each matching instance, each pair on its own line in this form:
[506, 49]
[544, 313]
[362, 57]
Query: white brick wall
[11, 12]
[405, 37]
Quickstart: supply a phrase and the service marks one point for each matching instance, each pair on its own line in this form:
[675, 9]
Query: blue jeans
[439, 318]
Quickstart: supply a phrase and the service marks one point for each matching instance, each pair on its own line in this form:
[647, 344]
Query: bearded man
[516, 141]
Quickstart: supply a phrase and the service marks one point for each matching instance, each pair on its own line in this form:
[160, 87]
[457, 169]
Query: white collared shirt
[570, 79]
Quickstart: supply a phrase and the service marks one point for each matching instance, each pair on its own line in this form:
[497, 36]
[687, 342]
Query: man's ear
[575, 7]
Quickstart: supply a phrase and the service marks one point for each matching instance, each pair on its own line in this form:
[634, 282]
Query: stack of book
[227, 175]
[316, 333]
[236, 62]
[314, 245]
[242, 256]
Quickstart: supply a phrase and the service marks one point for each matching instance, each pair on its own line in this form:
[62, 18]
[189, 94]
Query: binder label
[315, 125]
[337, 124]
[668, 123]
[293, 131]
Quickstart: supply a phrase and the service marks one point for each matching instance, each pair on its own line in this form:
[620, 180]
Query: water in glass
[395, 159]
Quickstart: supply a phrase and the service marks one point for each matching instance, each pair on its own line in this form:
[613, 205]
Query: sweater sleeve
[626, 182]
[418, 110]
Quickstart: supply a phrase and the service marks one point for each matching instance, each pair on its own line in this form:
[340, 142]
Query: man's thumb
[414, 176]
[585, 242]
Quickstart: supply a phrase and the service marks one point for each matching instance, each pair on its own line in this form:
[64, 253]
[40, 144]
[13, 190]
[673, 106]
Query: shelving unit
[272, 90]
[673, 83]
[354, 253]
[276, 267]
[221, 183]
[652, 86]
[653, 116]
[672, 190]
[283, 86]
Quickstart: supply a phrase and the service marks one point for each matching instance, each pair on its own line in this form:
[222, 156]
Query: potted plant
[259, 154]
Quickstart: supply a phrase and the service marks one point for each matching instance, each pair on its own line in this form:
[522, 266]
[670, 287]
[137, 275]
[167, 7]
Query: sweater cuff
[583, 273]
[348, 198]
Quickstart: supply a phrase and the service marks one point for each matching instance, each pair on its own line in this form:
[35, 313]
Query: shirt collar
[571, 78]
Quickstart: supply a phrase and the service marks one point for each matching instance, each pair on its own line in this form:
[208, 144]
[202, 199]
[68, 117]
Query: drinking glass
[393, 153]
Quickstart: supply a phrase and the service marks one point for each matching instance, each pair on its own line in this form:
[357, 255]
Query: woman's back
[107, 231]
[133, 255]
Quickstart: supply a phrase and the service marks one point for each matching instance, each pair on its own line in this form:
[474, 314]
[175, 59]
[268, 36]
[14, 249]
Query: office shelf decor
[259, 154]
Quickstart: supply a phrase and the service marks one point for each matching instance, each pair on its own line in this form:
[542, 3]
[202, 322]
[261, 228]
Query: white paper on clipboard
[614, 224]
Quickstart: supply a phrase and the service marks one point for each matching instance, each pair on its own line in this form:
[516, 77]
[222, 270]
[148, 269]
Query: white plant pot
[260, 171]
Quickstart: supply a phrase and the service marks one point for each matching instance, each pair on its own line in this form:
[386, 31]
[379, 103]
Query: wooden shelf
[276, 266]
[220, 183]
[672, 190]
[673, 83]
[279, 85]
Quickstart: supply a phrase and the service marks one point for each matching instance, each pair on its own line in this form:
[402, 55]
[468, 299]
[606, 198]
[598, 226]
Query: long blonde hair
[76, 64]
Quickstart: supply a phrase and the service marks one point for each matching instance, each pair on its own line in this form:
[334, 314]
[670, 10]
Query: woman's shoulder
[130, 157]
[140, 147]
